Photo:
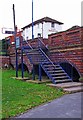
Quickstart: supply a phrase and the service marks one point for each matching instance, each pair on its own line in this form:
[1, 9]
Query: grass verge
[19, 96]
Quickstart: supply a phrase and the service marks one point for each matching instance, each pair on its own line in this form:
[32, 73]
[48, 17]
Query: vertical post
[32, 39]
[15, 42]
[22, 62]
[72, 73]
[32, 21]
[33, 73]
[42, 29]
[39, 43]
[40, 73]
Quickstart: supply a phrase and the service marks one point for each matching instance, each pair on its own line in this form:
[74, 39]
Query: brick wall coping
[67, 49]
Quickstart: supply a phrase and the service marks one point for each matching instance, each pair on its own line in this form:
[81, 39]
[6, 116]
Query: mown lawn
[19, 96]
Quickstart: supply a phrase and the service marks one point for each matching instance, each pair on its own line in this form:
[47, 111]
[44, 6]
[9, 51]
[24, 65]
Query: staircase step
[38, 60]
[33, 54]
[57, 71]
[60, 77]
[69, 85]
[33, 50]
[49, 65]
[63, 81]
[46, 63]
[74, 89]
[58, 74]
[52, 69]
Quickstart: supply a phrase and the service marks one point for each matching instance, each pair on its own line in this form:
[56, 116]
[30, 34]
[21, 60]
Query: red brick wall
[63, 46]
[25, 61]
[11, 50]
[72, 56]
[35, 43]
[67, 46]
[66, 38]
[4, 60]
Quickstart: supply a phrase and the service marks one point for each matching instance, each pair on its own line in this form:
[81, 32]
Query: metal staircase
[54, 71]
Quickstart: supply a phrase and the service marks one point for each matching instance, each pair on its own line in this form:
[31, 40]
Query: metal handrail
[56, 49]
[46, 48]
[42, 43]
[28, 44]
[47, 57]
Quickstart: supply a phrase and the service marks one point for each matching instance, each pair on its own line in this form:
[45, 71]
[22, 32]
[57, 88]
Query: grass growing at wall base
[19, 96]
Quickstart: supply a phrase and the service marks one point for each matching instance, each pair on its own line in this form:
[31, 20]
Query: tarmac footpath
[68, 106]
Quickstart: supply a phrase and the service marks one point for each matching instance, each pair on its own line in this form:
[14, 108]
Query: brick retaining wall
[63, 46]
[4, 61]
[67, 46]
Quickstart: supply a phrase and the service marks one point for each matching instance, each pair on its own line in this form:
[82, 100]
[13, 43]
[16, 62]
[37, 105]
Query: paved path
[68, 106]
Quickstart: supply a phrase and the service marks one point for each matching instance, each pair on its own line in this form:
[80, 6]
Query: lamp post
[32, 39]
[32, 21]
[15, 41]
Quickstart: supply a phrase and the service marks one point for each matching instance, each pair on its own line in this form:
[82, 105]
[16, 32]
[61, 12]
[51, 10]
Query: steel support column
[15, 42]
[33, 73]
[22, 63]
[40, 75]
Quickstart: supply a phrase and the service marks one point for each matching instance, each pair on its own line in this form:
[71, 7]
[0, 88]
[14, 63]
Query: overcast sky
[66, 11]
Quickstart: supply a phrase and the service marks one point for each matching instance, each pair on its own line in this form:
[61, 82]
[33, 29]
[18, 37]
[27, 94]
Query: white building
[42, 28]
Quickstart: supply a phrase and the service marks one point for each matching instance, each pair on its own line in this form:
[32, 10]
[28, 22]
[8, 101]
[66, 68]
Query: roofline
[45, 19]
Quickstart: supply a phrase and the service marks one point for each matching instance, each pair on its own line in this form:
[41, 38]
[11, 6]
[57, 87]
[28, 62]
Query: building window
[27, 38]
[52, 25]
[38, 25]
[39, 34]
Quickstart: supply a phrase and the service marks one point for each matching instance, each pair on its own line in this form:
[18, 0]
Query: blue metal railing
[54, 81]
[27, 44]
[52, 64]
[46, 57]
[27, 55]
[41, 44]
[49, 58]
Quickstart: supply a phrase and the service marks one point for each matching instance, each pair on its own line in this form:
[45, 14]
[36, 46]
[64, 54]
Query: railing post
[22, 62]
[39, 43]
[40, 76]
[72, 73]
[33, 73]
[16, 63]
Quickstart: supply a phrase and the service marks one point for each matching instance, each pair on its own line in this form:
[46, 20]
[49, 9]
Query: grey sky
[66, 11]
